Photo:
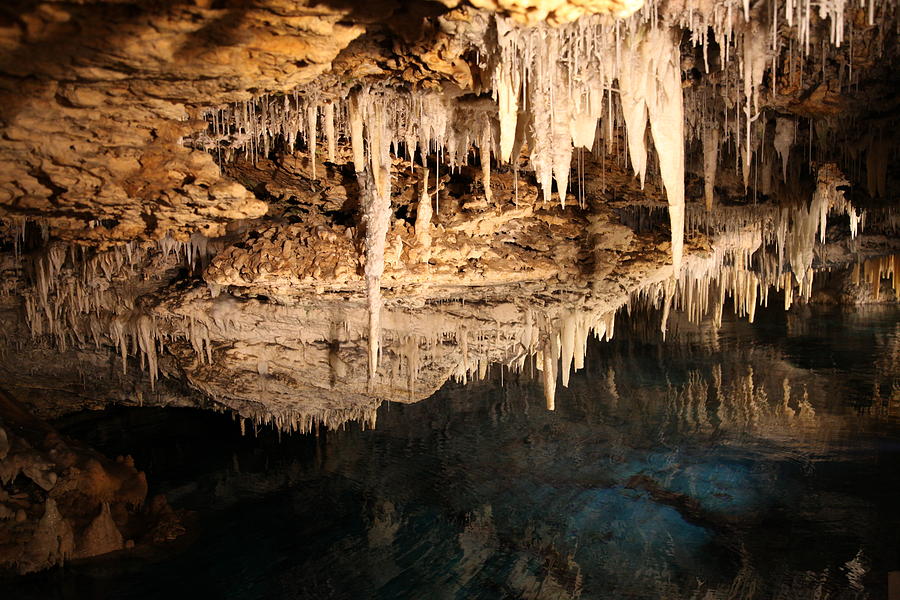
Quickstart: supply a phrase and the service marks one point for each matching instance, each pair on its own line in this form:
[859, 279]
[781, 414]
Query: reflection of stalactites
[788, 290]
[721, 413]
[687, 407]
[385, 525]
[550, 354]
[478, 542]
[612, 387]
[147, 334]
[806, 412]
[338, 367]
[296, 419]
[567, 345]
[720, 304]
[410, 354]
[667, 305]
[786, 410]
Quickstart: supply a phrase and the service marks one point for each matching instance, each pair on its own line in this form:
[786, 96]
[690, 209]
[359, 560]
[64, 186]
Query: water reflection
[749, 462]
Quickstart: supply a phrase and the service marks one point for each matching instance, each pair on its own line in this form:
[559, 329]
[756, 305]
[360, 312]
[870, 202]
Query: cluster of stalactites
[749, 402]
[746, 266]
[564, 346]
[195, 251]
[703, 295]
[802, 227]
[873, 270]
[777, 253]
[78, 298]
[290, 419]
[66, 283]
[74, 299]
[553, 86]
[549, 343]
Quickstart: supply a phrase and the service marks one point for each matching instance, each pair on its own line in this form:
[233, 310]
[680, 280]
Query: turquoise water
[673, 470]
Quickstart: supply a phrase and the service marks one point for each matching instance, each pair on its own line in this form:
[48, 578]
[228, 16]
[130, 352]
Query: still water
[757, 461]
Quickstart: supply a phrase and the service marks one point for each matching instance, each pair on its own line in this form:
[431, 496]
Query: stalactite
[785, 131]
[423, 220]
[356, 131]
[484, 148]
[710, 164]
[330, 138]
[874, 270]
[507, 87]
[375, 195]
[633, 96]
[567, 345]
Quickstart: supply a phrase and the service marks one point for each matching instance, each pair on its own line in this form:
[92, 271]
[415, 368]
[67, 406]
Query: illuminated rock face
[297, 211]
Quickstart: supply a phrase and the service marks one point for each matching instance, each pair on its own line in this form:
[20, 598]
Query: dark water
[667, 471]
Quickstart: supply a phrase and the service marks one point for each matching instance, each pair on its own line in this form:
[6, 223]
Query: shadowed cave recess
[329, 225]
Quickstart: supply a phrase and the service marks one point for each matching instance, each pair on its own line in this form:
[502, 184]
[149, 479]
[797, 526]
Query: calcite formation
[296, 211]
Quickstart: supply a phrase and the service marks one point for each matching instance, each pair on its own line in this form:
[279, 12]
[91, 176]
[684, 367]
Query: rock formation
[297, 210]
[61, 501]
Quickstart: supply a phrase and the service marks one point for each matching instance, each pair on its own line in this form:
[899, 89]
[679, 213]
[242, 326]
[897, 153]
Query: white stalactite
[356, 131]
[312, 114]
[423, 220]
[650, 87]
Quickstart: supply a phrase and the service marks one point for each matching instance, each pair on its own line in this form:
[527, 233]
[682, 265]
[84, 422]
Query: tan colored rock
[100, 155]
[41, 474]
[100, 537]
[52, 543]
[558, 11]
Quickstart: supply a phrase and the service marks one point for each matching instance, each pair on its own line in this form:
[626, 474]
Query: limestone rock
[558, 11]
[53, 541]
[100, 537]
